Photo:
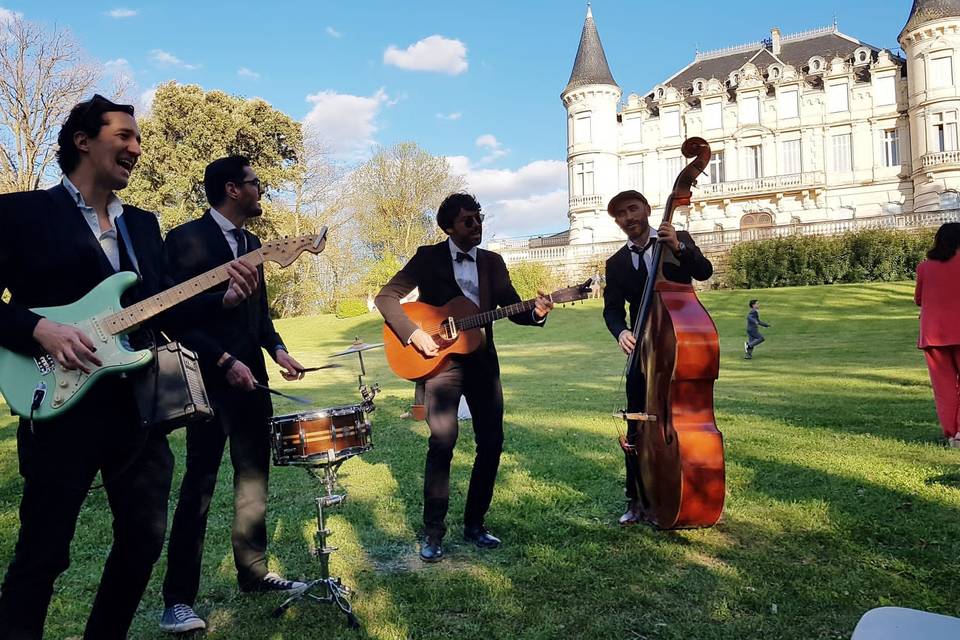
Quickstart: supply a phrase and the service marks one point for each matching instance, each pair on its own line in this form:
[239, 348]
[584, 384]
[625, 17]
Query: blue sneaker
[181, 618]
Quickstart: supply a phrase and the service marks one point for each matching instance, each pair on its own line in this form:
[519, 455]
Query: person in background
[754, 337]
[938, 296]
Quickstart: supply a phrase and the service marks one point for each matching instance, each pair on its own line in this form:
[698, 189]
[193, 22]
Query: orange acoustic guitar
[456, 328]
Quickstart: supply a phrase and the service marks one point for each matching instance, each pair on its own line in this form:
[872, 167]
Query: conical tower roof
[929, 10]
[591, 65]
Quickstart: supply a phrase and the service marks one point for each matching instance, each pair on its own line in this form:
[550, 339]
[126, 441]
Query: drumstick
[282, 395]
[326, 366]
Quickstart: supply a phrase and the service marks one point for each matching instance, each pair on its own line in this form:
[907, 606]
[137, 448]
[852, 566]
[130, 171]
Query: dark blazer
[49, 257]
[625, 284]
[431, 269]
[196, 247]
[753, 319]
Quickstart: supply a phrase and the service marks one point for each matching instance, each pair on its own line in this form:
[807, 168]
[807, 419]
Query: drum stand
[324, 589]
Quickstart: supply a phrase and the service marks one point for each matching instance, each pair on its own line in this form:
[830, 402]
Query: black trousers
[250, 455]
[473, 378]
[636, 402]
[58, 461]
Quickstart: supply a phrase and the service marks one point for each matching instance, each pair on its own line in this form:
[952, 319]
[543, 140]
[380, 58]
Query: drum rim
[324, 412]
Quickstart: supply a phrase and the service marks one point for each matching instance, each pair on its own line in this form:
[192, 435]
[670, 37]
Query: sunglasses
[469, 221]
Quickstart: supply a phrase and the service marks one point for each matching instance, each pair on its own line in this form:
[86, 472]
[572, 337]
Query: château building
[810, 132]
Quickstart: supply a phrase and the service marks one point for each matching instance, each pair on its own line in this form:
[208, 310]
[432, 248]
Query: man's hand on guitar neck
[72, 348]
[423, 343]
[543, 305]
[244, 282]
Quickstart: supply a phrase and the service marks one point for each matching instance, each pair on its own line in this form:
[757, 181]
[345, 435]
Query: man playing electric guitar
[57, 245]
[457, 267]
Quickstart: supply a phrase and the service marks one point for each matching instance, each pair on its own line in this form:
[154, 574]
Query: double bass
[678, 449]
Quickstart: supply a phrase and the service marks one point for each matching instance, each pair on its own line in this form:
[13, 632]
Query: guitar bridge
[45, 363]
[448, 329]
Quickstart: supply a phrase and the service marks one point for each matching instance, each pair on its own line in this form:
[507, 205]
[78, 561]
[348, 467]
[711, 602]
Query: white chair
[898, 623]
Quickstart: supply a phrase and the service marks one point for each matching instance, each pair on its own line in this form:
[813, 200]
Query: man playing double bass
[627, 271]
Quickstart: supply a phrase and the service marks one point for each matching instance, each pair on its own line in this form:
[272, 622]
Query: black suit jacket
[431, 269]
[624, 284]
[196, 247]
[49, 257]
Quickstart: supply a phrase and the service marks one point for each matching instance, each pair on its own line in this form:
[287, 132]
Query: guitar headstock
[572, 294]
[284, 251]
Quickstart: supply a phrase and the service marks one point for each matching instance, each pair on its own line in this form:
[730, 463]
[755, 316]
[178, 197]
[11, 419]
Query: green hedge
[861, 256]
[351, 307]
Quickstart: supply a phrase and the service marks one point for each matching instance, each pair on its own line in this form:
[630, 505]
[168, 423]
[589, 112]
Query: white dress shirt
[465, 272]
[107, 239]
[648, 254]
[227, 228]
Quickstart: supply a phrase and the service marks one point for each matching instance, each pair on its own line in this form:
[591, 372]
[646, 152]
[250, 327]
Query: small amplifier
[169, 391]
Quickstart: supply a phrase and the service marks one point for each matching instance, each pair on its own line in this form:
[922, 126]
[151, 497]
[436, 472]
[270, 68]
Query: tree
[527, 277]
[188, 128]
[42, 76]
[394, 196]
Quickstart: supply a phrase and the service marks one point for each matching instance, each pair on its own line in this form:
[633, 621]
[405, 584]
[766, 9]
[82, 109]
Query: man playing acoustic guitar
[457, 267]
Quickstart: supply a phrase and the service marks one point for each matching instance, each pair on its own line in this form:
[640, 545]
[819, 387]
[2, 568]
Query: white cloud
[532, 199]
[434, 53]
[493, 146]
[167, 59]
[243, 72]
[456, 115]
[145, 101]
[121, 12]
[117, 65]
[347, 123]
[333, 33]
[7, 16]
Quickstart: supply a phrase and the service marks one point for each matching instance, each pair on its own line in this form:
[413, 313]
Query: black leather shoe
[431, 550]
[481, 537]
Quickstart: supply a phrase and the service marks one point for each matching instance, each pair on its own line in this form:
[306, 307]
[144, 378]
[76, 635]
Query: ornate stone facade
[810, 127]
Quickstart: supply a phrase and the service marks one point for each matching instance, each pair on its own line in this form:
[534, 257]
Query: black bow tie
[461, 256]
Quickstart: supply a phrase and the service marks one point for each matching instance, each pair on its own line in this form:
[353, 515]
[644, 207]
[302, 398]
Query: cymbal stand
[366, 392]
[325, 589]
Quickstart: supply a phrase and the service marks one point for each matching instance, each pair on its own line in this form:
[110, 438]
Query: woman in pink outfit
[938, 296]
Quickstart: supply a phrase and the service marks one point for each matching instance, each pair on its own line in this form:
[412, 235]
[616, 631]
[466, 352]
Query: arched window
[757, 225]
[950, 200]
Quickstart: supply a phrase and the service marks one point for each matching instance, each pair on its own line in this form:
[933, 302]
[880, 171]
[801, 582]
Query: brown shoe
[632, 515]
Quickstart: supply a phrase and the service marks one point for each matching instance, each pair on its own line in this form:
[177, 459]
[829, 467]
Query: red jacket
[938, 296]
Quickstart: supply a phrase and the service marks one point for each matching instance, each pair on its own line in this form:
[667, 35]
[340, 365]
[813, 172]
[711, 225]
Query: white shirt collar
[114, 203]
[221, 220]
[454, 250]
[650, 233]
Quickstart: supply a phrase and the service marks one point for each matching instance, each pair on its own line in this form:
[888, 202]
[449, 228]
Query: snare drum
[320, 437]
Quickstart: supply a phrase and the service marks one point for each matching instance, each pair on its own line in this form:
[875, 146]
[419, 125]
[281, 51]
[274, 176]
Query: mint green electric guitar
[42, 389]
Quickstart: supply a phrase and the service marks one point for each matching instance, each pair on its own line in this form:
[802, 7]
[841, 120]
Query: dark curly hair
[87, 117]
[451, 206]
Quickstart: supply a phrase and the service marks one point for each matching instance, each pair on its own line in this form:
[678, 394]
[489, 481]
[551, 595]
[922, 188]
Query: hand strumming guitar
[423, 343]
[71, 347]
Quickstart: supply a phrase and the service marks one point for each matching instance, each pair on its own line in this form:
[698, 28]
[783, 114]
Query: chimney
[775, 39]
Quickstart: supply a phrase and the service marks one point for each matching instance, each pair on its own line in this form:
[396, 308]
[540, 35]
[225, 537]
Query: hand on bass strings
[627, 342]
[71, 347]
[668, 236]
[544, 304]
[290, 369]
[239, 376]
[423, 342]
[244, 282]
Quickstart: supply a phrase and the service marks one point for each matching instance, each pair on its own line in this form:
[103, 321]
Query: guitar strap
[128, 243]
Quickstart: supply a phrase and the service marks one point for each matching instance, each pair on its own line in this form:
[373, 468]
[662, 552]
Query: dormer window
[861, 56]
[734, 79]
[698, 85]
[774, 72]
[817, 64]
[658, 93]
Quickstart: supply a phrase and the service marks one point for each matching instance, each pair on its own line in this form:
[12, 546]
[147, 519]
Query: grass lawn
[840, 497]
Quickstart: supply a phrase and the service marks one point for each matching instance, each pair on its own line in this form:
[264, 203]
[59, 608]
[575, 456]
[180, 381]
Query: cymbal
[357, 347]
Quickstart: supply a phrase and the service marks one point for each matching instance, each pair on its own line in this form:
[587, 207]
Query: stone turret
[591, 98]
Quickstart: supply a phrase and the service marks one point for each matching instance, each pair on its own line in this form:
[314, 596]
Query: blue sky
[476, 82]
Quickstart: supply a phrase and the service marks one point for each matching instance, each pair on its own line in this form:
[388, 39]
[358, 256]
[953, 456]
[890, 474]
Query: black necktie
[241, 238]
[461, 256]
[641, 250]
